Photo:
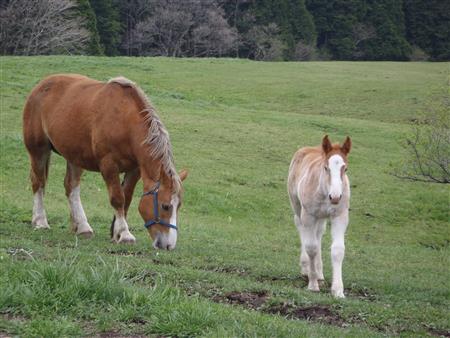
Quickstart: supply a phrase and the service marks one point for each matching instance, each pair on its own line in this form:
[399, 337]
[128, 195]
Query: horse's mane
[157, 137]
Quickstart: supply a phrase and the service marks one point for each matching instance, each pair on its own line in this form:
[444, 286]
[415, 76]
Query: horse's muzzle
[165, 241]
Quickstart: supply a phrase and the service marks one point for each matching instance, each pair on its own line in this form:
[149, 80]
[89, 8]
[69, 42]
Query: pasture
[235, 125]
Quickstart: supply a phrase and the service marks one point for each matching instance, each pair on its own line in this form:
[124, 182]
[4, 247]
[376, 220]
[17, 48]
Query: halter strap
[157, 220]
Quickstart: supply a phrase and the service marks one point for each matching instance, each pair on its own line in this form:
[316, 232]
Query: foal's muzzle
[334, 199]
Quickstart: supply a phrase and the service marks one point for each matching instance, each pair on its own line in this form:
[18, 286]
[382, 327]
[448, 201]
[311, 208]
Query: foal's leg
[121, 233]
[320, 230]
[79, 223]
[304, 259]
[311, 246]
[128, 184]
[40, 159]
[338, 227]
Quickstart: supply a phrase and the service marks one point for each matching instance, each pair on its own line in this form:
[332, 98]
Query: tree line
[256, 29]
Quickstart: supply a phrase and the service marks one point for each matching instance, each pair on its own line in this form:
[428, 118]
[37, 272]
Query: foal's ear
[345, 148]
[183, 174]
[326, 144]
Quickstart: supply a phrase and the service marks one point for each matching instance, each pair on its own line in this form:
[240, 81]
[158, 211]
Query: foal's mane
[157, 137]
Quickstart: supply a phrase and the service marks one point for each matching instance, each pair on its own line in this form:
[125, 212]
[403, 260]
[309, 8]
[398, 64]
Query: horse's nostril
[330, 197]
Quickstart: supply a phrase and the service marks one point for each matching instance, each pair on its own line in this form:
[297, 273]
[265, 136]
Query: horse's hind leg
[304, 258]
[79, 221]
[40, 159]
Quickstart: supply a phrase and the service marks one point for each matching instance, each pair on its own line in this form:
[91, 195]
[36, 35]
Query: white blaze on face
[169, 240]
[335, 164]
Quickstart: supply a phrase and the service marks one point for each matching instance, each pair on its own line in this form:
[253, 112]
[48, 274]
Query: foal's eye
[165, 207]
[326, 168]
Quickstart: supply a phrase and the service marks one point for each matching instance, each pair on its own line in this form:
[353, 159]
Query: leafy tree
[34, 27]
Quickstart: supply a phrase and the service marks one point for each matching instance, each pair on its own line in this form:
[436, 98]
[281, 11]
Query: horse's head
[159, 209]
[335, 166]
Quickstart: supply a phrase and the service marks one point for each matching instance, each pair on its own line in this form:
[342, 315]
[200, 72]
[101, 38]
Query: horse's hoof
[127, 238]
[86, 234]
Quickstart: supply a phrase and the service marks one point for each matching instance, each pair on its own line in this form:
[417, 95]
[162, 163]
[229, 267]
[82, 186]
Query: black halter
[157, 220]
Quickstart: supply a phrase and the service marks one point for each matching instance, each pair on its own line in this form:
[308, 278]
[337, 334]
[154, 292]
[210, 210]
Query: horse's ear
[183, 174]
[326, 144]
[347, 146]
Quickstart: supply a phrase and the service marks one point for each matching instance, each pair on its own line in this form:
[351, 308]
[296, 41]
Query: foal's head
[335, 166]
[159, 209]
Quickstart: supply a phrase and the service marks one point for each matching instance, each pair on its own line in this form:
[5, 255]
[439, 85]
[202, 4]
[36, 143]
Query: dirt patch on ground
[318, 313]
[252, 300]
[362, 294]
[122, 252]
[300, 279]
[114, 334]
[439, 332]
[225, 269]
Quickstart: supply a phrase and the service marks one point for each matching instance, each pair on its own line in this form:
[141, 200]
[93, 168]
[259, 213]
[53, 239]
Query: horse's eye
[165, 207]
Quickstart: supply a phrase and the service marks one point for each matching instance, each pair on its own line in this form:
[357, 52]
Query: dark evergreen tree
[86, 11]
[428, 26]
[292, 18]
[108, 24]
[389, 42]
[335, 21]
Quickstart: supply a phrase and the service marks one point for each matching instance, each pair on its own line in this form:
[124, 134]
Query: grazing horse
[319, 189]
[111, 128]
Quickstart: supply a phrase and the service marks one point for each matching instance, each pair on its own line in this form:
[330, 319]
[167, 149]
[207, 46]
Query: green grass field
[235, 125]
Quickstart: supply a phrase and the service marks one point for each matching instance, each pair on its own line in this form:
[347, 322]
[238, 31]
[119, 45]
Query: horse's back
[300, 167]
[72, 113]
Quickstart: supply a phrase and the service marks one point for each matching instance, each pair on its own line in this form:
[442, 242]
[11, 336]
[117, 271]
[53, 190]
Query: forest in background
[270, 30]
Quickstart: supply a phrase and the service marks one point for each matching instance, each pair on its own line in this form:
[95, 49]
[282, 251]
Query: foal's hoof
[314, 287]
[86, 234]
[338, 293]
[41, 225]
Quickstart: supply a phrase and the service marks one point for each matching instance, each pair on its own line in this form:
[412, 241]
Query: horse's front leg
[78, 218]
[128, 184]
[120, 231]
[320, 230]
[338, 227]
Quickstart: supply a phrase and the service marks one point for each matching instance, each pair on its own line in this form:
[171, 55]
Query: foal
[319, 189]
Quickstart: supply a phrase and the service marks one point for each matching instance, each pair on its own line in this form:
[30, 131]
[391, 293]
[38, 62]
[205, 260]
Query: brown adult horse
[108, 127]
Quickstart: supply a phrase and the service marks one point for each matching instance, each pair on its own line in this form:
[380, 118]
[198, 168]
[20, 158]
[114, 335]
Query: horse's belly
[77, 153]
